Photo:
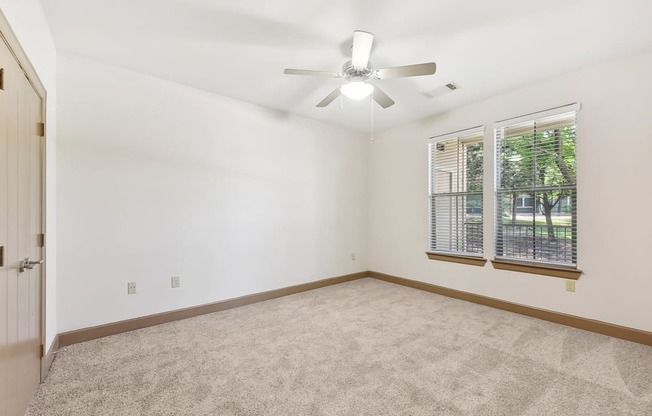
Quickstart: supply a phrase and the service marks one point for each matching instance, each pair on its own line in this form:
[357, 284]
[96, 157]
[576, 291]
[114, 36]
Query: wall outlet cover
[570, 285]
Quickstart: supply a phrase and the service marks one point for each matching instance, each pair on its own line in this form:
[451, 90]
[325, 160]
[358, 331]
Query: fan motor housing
[349, 72]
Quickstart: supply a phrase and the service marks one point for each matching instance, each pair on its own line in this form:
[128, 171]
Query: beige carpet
[361, 348]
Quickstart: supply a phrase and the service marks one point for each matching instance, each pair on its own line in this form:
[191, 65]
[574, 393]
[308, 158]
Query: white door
[21, 240]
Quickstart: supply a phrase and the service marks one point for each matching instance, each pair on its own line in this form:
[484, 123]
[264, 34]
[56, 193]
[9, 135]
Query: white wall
[27, 19]
[614, 196]
[157, 179]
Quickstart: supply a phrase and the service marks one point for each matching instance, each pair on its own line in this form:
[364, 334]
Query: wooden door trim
[9, 37]
[13, 44]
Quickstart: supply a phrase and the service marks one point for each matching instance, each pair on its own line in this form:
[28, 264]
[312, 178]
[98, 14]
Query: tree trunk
[570, 177]
[547, 211]
[514, 203]
[559, 160]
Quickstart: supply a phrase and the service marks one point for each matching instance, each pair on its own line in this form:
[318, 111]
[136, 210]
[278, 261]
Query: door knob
[27, 264]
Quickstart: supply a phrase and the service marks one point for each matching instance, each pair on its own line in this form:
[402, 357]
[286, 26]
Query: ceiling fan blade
[407, 71]
[381, 98]
[312, 73]
[329, 98]
[361, 49]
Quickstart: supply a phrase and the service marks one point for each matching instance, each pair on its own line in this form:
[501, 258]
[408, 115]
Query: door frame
[11, 40]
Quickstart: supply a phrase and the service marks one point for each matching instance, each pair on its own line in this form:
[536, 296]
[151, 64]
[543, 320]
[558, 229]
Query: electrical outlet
[352, 256]
[175, 281]
[131, 288]
[570, 285]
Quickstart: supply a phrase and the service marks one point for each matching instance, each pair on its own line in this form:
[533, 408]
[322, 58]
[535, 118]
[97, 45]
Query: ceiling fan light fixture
[357, 90]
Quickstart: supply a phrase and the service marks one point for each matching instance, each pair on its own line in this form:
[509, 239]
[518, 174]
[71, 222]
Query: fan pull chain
[372, 117]
[341, 102]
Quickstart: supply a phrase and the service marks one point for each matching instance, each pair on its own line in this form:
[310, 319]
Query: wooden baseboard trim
[46, 363]
[87, 334]
[600, 327]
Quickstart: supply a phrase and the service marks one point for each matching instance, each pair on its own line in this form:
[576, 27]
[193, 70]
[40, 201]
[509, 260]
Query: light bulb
[356, 90]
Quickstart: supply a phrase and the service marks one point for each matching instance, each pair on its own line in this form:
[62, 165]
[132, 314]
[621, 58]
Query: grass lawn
[540, 221]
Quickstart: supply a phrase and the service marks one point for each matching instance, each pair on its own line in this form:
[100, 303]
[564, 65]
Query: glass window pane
[536, 213]
[456, 167]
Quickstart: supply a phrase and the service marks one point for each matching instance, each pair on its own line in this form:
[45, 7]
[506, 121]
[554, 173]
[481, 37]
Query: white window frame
[499, 127]
[432, 142]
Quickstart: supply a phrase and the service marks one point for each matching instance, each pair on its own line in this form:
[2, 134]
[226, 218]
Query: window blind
[456, 175]
[536, 188]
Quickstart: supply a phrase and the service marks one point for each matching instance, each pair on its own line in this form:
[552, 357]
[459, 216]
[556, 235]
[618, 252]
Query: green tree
[541, 159]
[515, 168]
[473, 179]
[474, 167]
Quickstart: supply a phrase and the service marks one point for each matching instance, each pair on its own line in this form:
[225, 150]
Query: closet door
[21, 240]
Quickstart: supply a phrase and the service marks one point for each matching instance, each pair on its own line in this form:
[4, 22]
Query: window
[524, 201]
[456, 193]
[536, 188]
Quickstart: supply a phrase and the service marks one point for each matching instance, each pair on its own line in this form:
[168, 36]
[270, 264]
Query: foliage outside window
[536, 188]
[456, 193]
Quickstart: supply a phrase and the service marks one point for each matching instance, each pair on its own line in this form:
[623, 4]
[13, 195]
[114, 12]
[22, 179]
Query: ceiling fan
[359, 72]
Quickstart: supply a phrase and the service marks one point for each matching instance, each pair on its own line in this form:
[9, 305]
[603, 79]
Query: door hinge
[42, 351]
[40, 129]
[2, 256]
[40, 240]
[2, 78]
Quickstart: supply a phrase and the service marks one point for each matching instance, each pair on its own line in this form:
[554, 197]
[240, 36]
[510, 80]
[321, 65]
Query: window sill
[546, 270]
[457, 258]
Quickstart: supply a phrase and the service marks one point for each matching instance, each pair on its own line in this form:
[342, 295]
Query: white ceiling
[240, 48]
